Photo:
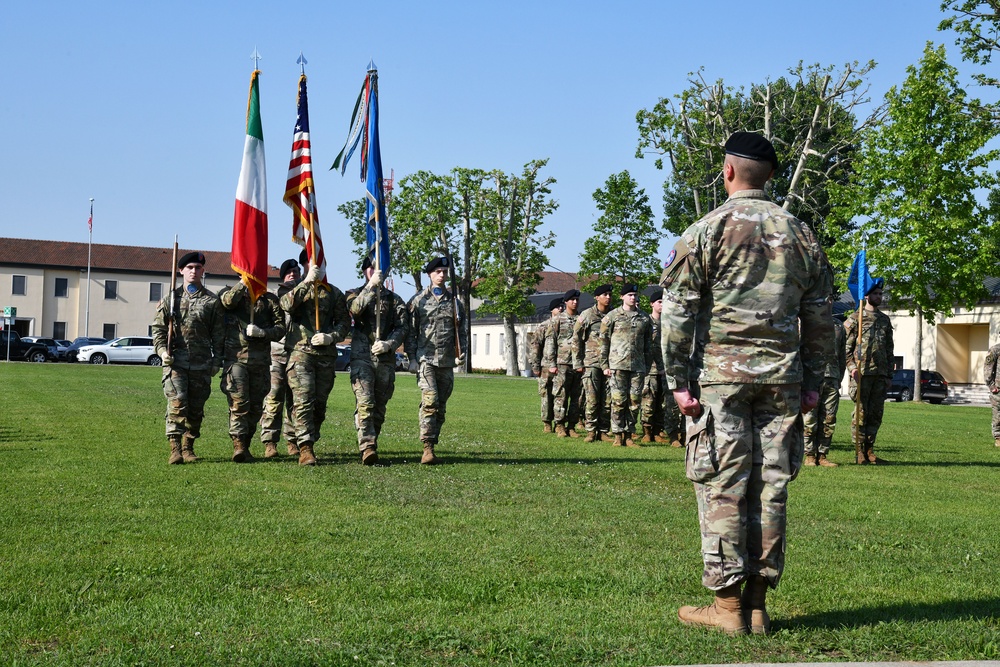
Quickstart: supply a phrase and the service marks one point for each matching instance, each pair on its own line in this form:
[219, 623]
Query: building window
[111, 290]
[487, 343]
[19, 285]
[59, 330]
[155, 292]
[474, 336]
[110, 331]
[62, 286]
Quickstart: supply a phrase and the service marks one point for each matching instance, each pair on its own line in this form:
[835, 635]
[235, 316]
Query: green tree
[471, 197]
[625, 241]
[915, 185]
[978, 26]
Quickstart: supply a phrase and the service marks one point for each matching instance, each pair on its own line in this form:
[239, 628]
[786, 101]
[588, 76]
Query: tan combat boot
[997, 443]
[660, 436]
[241, 452]
[187, 449]
[810, 460]
[870, 452]
[725, 613]
[369, 457]
[619, 440]
[630, 441]
[592, 436]
[428, 458]
[176, 457]
[293, 449]
[860, 455]
[546, 427]
[647, 434]
[572, 432]
[676, 442]
[825, 462]
[561, 431]
[306, 457]
[753, 603]
[270, 450]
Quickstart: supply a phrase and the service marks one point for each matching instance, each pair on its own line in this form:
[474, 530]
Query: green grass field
[520, 549]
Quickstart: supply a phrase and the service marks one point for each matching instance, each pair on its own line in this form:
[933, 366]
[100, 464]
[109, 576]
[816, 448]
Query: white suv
[126, 350]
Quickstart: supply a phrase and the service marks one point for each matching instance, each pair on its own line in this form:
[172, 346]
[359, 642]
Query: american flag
[300, 193]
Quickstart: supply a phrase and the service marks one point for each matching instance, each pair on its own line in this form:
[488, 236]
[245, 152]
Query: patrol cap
[751, 146]
[657, 295]
[877, 283]
[191, 258]
[556, 303]
[602, 289]
[629, 287]
[571, 294]
[286, 266]
[437, 263]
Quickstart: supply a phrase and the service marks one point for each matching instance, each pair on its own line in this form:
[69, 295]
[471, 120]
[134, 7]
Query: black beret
[657, 295]
[877, 283]
[367, 264]
[602, 289]
[286, 266]
[556, 303]
[303, 258]
[751, 146]
[629, 287]
[436, 263]
[191, 258]
[571, 294]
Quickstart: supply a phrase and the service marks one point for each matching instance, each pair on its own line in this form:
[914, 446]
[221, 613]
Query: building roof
[111, 258]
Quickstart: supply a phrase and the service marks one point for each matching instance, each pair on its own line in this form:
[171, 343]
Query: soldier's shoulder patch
[674, 259]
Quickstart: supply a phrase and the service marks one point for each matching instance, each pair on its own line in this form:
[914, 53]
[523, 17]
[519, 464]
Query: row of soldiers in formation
[277, 355]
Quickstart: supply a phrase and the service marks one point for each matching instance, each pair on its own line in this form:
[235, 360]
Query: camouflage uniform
[627, 350]
[652, 388]
[431, 342]
[873, 362]
[245, 379]
[540, 366]
[817, 441]
[746, 328]
[310, 367]
[992, 379]
[279, 397]
[373, 378]
[197, 348]
[560, 347]
[587, 331]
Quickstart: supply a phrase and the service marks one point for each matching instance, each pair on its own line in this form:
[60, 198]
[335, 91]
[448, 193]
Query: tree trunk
[466, 292]
[510, 336]
[418, 282]
[920, 354]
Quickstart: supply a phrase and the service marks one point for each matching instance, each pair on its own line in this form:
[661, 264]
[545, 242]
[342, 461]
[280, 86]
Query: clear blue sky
[142, 105]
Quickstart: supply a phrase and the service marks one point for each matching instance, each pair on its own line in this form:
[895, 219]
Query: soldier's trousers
[546, 396]
[566, 392]
[373, 385]
[186, 391]
[435, 390]
[597, 410]
[652, 402]
[995, 402]
[279, 397]
[245, 388]
[869, 397]
[310, 377]
[626, 399]
[741, 453]
[820, 422]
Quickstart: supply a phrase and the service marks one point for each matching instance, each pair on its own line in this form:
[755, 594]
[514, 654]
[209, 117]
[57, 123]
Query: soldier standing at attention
[587, 332]
[436, 318]
[560, 347]
[194, 357]
[870, 365]
[312, 354]
[540, 365]
[652, 389]
[626, 356]
[250, 329]
[992, 380]
[279, 397]
[820, 422]
[380, 327]
[746, 336]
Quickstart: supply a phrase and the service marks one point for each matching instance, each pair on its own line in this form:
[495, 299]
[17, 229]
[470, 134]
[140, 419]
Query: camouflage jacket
[838, 365]
[990, 368]
[279, 354]
[368, 306]
[657, 365]
[560, 345]
[745, 299]
[431, 338]
[627, 341]
[536, 341]
[587, 332]
[267, 315]
[333, 318]
[874, 357]
[199, 334]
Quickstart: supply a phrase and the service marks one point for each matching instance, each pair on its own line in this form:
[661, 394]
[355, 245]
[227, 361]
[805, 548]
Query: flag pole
[90, 243]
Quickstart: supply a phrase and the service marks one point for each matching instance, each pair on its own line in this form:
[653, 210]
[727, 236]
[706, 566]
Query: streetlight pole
[90, 242]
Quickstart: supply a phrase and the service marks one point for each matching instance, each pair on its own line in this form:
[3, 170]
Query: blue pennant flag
[378, 227]
[860, 282]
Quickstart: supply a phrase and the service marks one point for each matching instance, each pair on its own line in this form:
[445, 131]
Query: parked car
[933, 387]
[343, 362]
[125, 350]
[51, 345]
[74, 347]
[63, 347]
[19, 349]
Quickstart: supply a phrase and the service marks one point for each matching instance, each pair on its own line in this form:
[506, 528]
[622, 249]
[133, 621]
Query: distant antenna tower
[387, 184]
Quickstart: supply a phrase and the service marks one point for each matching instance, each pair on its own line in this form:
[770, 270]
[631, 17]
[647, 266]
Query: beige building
[46, 281]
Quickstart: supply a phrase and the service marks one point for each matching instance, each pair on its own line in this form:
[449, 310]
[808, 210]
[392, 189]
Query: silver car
[125, 350]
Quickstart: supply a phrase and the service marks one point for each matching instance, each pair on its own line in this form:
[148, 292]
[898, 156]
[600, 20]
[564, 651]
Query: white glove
[460, 360]
[313, 275]
[375, 280]
[321, 339]
[413, 366]
[380, 347]
[166, 358]
[254, 331]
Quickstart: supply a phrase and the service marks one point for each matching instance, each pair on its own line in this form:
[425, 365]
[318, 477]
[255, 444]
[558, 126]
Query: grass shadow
[905, 613]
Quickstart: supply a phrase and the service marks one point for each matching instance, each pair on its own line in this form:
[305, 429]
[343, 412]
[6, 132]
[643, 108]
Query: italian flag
[249, 257]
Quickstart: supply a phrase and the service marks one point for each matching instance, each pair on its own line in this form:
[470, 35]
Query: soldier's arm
[682, 282]
[890, 348]
[647, 346]
[414, 326]
[218, 322]
[607, 327]
[552, 341]
[231, 297]
[340, 319]
[580, 329]
[400, 323]
[359, 300]
[160, 325]
[295, 297]
[276, 331]
[841, 343]
[817, 345]
[851, 343]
